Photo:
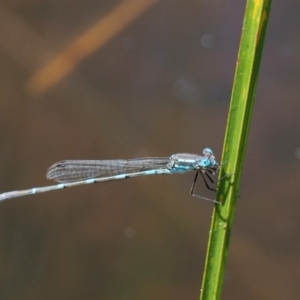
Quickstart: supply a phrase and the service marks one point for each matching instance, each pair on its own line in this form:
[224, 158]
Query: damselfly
[76, 172]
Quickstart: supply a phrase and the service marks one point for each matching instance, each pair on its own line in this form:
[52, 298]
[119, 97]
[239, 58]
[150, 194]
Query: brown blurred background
[124, 79]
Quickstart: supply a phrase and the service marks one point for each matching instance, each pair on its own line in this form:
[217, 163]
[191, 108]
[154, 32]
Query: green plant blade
[238, 124]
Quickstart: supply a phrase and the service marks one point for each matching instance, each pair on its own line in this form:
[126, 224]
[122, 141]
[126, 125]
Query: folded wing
[76, 170]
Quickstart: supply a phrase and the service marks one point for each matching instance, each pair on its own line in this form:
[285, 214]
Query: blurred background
[125, 79]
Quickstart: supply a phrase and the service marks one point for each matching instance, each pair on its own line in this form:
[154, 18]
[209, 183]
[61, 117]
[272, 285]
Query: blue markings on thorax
[181, 166]
[181, 169]
[205, 162]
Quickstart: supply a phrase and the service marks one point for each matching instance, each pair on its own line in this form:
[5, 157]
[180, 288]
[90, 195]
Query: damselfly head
[208, 152]
[209, 159]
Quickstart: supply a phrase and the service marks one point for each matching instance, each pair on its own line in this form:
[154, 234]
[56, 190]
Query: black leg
[193, 186]
[208, 172]
[211, 180]
[206, 183]
[213, 170]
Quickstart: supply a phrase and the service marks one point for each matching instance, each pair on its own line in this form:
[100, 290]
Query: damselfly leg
[206, 174]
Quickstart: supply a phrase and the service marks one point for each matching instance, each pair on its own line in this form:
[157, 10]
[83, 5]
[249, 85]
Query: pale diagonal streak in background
[86, 44]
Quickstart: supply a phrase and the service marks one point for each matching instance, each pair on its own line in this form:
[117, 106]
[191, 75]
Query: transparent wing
[74, 170]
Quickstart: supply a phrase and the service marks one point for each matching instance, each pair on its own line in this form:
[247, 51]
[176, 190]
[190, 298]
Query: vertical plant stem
[238, 124]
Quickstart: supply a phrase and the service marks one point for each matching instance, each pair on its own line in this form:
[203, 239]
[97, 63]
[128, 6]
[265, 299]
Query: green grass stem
[238, 124]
